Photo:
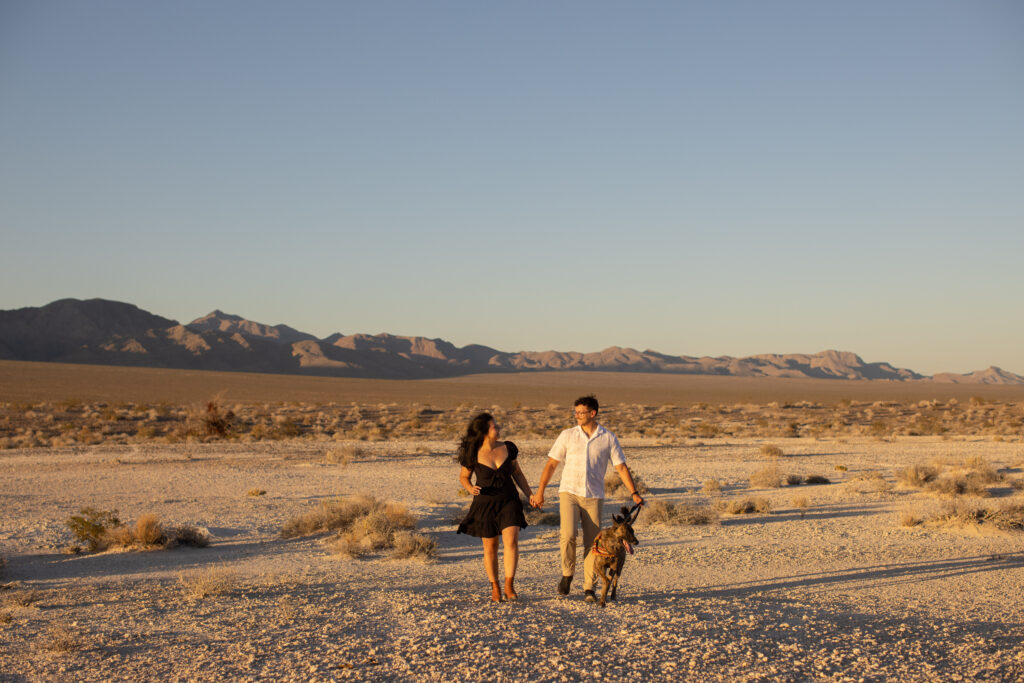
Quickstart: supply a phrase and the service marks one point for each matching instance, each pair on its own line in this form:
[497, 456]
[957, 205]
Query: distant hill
[115, 333]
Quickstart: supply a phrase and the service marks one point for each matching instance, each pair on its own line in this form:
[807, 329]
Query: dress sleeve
[513, 450]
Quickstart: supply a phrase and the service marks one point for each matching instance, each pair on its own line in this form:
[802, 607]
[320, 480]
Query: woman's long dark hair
[473, 439]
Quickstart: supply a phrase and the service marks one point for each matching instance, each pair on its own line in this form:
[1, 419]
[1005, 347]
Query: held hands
[537, 500]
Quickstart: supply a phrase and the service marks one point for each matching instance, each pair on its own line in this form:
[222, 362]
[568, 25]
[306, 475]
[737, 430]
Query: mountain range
[99, 331]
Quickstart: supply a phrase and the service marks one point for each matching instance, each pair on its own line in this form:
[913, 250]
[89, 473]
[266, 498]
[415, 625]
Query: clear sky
[695, 178]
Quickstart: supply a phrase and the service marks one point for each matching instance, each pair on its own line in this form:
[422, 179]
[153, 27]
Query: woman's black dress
[498, 505]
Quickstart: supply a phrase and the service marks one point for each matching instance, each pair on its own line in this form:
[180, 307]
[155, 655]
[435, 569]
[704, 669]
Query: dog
[608, 553]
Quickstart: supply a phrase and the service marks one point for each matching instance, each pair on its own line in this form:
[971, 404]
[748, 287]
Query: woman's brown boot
[510, 590]
[495, 592]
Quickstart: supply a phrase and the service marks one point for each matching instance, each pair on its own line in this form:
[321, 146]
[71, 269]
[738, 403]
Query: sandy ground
[836, 591]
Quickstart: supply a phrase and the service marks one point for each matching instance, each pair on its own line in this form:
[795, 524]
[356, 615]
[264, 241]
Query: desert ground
[907, 564]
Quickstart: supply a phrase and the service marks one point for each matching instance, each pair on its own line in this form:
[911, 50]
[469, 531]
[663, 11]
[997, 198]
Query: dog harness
[599, 550]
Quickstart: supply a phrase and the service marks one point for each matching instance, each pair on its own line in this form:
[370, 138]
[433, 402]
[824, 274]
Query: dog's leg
[606, 581]
[619, 561]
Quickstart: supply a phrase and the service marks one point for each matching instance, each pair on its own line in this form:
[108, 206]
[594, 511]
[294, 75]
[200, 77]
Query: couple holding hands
[497, 512]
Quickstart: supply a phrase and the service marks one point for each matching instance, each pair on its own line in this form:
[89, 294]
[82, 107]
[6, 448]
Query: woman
[496, 509]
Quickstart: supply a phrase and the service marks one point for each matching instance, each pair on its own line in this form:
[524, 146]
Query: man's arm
[627, 479]
[537, 499]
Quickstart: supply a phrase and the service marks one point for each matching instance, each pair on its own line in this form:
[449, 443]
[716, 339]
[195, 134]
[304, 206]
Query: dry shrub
[910, 518]
[6, 617]
[872, 480]
[1005, 517]
[365, 525]
[329, 516]
[23, 598]
[343, 455]
[206, 583]
[1017, 484]
[60, 638]
[794, 479]
[970, 484]
[842, 468]
[813, 479]
[746, 506]
[540, 518]
[916, 476]
[210, 420]
[102, 530]
[658, 511]
[412, 545]
[766, 478]
[613, 485]
[256, 492]
[771, 451]
[799, 502]
[711, 486]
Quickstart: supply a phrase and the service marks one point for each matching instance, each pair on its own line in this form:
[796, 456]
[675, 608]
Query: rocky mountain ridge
[106, 332]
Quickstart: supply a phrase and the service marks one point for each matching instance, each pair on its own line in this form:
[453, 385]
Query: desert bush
[816, 479]
[916, 476]
[766, 478]
[842, 468]
[662, 512]
[23, 598]
[746, 506]
[210, 420]
[412, 545]
[540, 518]
[90, 526]
[613, 485]
[256, 492]
[206, 583]
[794, 479]
[343, 455]
[61, 638]
[101, 530]
[950, 485]
[329, 516]
[711, 486]
[871, 480]
[799, 502]
[771, 451]
[910, 518]
[1017, 484]
[1005, 517]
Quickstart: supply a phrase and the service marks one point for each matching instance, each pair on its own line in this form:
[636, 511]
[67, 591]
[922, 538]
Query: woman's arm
[464, 476]
[520, 480]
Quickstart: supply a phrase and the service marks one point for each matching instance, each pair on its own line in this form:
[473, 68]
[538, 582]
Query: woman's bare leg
[510, 538]
[491, 565]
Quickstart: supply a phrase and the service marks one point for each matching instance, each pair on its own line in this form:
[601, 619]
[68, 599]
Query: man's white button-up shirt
[585, 460]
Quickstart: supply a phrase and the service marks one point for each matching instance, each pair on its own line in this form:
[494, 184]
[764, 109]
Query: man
[585, 450]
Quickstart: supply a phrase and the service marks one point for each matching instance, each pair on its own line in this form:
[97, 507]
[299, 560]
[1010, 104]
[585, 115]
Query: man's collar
[597, 430]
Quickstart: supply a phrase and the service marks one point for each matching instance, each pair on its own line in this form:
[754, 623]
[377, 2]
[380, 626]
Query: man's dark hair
[589, 401]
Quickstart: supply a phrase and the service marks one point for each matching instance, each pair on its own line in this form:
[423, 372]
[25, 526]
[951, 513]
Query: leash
[634, 512]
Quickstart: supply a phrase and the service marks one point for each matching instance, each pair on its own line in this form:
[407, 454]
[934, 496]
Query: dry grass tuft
[343, 455]
[613, 485]
[746, 506]
[766, 478]
[771, 451]
[102, 530]
[799, 502]
[1005, 517]
[711, 486]
[540, 518]
[364, 525]
[872, 480]
[23, 598]
[408, 544]
[60, 638]
[814, 479]
[1017, 484]
[658, 511]
[951, 485]
[909, 518]
[916, 476]
[256, 492]
[794, 479]
[206, 583]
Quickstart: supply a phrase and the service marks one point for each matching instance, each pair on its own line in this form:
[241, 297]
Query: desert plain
[905, 563]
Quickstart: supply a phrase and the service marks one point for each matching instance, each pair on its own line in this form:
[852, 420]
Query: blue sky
[695, 178]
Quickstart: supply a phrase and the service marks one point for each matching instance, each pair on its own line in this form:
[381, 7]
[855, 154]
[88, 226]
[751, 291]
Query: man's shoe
[588, 596]
[563, 585]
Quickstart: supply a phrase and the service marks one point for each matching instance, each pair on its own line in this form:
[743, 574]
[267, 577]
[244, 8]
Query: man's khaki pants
[575, 510]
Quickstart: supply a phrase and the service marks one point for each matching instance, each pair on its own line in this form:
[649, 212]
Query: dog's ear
[617, 519]
[624, 511]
